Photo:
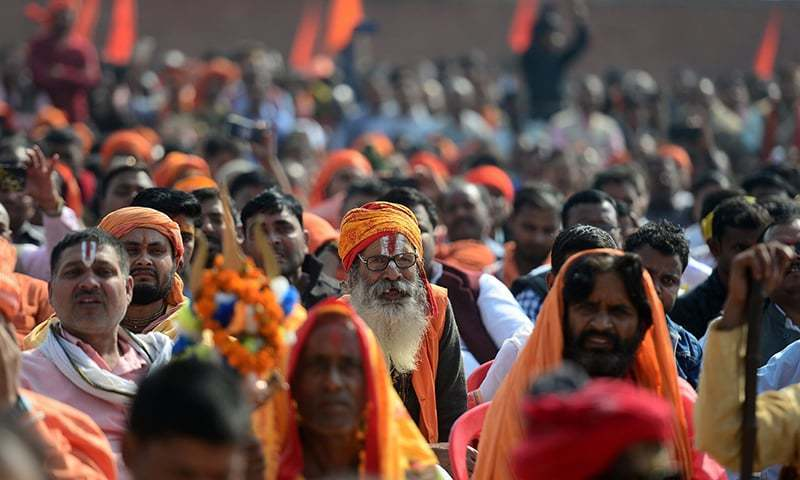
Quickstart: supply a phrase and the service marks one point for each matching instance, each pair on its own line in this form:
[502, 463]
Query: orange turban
[337, 160]
[166, 173]
[123, 221]
[195, 182]
[10, 294]
[380, 142]
[362, 226]
[580, 435]
[653, 369]
[431, 162]
[126, 142]
[678, 154]
[320, 231]
[492, 177]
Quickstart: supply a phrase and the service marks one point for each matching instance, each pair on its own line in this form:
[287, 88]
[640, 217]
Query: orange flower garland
[247, 347]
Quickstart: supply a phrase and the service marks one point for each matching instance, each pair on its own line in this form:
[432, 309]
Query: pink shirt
[41, 375]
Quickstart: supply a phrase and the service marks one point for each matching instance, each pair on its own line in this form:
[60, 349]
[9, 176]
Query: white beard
[398, 326]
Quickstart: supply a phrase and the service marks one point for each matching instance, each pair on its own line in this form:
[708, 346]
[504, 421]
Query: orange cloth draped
[126, 142]
[337, 160]
[654, 369]
[86, 20]
[123, 221]
[320, 231]
[343, 18]
[9, 297]
[23, 299]
[679, 155]
[429, 161]
[380, 142]
[195, 182]
[492, 177]
[466, 254]
[121, 38]
[72, 191]
[510, 270]
[392, 443]
[168, 171]
[74, 446]
[764, 62]
[520, 32]
[302, 54]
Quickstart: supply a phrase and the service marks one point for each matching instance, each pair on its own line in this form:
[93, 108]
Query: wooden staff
[752, 360]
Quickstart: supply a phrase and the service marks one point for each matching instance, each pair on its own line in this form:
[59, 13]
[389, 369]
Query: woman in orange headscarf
[653, 369]
[387, 442]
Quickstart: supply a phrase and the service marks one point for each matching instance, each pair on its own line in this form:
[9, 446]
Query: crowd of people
[563, 266]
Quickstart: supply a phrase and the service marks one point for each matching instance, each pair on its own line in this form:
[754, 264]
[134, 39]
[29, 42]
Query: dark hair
[593, 197]
[713, 200]
[738, 213]
[249, 179]
[664, 237]
[216, 144]
[712, 177]
[114, 173]
[90, 235]
[768, 180]
[412, 198]
[569, 377]
[61, 136]
[370, 187]
[541, 196]
[168, 201]
[190, 398]
[782, 212]
[271, 201]
[206, 194]
[579, 281]
[621, 174]
[578, 238]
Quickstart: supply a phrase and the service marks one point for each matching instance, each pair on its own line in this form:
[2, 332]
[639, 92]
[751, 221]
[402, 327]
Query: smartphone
[246, 129]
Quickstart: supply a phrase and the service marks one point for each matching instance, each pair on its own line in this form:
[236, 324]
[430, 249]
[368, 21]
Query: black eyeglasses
[378, 263]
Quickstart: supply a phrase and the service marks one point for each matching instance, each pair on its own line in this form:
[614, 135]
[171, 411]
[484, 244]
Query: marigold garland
[252, 342]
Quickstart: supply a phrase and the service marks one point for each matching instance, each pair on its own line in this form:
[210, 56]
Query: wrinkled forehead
[389, 244]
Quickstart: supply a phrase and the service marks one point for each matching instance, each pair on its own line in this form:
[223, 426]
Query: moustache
[616, 343]
[404, 287]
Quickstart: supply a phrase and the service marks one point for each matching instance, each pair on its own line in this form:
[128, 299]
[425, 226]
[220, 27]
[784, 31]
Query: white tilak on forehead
[399, 245]
[88, 252]
[385, 245]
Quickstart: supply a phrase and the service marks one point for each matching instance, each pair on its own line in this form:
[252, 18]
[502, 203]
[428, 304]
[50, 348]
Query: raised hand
[41, 183]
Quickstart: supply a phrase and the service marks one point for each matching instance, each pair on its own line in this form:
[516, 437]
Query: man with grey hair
[381, 249]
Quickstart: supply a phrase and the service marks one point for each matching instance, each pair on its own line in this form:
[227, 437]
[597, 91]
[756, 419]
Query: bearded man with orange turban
[381, 250]
[155, 249]
[604, 314]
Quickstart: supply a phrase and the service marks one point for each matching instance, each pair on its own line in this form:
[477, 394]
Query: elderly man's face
[329, 382]
[602, 331]
[89, 294]
[153, 265]
[388, 246]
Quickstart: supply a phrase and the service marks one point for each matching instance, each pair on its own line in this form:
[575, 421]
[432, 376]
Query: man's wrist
[53, 208]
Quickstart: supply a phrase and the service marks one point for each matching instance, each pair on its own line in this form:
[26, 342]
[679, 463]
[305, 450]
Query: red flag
[520, 33]
[343, 17]
[302, 54]
[87, 19]
[122, 32]
[764, 62]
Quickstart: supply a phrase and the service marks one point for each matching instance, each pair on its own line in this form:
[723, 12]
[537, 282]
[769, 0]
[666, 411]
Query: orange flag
[768, 50]
[302, 53]
[343, 17]
[122, 32]
[86, 20]
[520, 33]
